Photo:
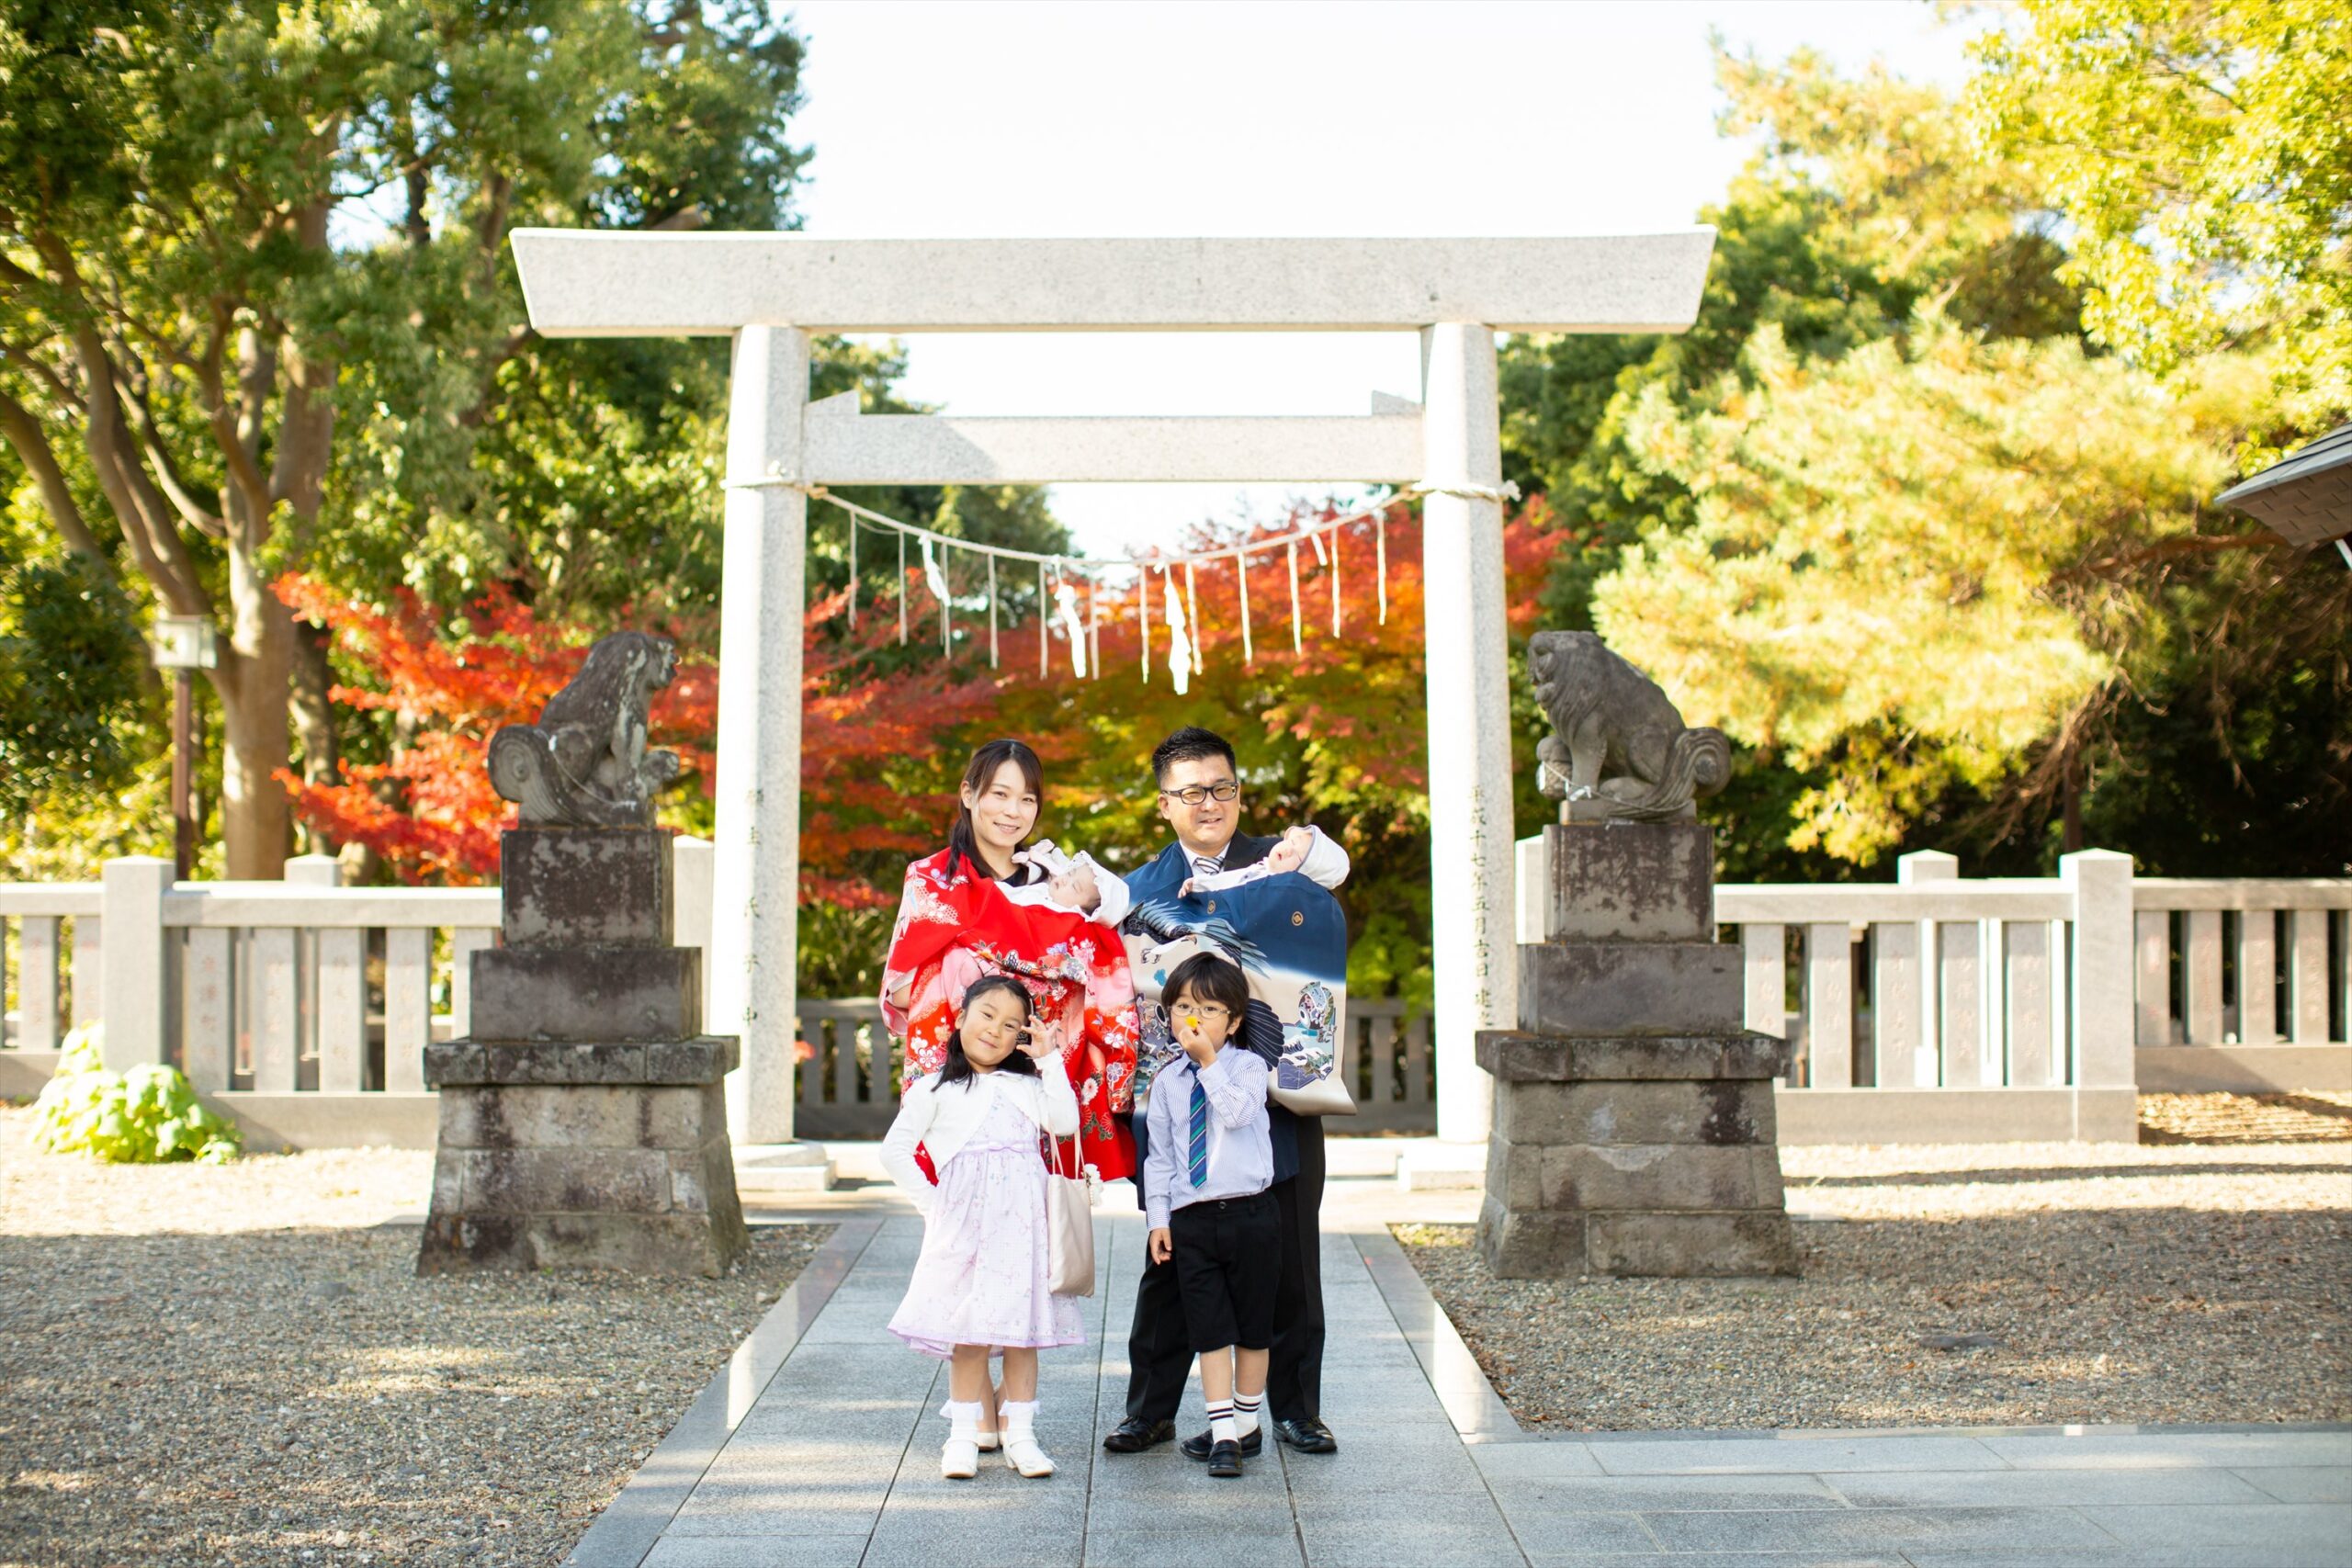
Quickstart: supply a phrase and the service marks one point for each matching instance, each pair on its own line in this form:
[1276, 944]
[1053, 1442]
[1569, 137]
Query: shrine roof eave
[2306, 496]
[602, 283]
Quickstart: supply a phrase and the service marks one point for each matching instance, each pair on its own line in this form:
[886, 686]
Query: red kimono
[952, 931]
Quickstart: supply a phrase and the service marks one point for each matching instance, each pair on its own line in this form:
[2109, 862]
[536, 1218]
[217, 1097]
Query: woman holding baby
[990, 903]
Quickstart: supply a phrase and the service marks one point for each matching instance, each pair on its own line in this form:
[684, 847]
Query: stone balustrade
[1934, 1007]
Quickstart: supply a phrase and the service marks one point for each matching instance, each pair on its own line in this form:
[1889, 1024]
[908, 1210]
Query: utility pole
[183, 645]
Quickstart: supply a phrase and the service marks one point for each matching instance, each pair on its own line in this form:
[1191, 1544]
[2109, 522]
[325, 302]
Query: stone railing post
[131, 971]
[1915, 870]
[313, 871]
[2105, 1074]
[694, 869]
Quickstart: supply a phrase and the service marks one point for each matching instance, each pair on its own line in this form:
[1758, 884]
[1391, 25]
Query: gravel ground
[228, 1365]
[2115, 1283]
[2310, 1117]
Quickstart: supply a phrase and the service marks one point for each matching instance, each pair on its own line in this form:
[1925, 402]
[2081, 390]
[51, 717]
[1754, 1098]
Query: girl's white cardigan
[943, 1120]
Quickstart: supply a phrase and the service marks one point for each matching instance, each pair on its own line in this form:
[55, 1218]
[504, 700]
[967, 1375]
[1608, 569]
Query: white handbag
[1069, 1227]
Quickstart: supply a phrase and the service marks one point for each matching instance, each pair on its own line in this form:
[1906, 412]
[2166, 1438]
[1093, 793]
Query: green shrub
[148, 1114]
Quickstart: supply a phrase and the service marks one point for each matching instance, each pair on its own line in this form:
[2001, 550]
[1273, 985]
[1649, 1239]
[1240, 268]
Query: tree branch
[59, 387]
[2167, 549]
[490, 229]
[167, 475]
[515, 342]
[232, 422]
[24, 433]
[306, 419]
[147, 529]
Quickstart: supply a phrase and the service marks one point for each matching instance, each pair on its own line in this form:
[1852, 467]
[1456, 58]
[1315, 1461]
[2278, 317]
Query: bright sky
[1369, 118]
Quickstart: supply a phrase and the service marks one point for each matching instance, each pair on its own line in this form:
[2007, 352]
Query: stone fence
[1936, 1008]
[1951, 1009]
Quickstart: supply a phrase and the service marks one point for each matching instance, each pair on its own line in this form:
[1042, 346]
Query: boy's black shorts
[1228, 1262]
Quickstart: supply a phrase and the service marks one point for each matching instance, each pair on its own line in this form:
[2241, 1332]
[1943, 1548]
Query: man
[1200, 796]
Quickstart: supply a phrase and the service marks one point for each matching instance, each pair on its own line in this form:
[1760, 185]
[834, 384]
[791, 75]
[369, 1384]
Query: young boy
[1208, 1162]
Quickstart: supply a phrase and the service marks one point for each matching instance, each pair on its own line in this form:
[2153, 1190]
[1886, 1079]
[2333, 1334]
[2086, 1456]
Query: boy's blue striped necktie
[1196, 1159]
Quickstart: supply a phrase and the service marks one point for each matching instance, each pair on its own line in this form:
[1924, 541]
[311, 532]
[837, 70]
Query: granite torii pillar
[772, 292]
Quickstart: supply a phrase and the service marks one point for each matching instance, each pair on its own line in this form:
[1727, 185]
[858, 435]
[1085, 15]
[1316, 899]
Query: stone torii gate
[770, 293]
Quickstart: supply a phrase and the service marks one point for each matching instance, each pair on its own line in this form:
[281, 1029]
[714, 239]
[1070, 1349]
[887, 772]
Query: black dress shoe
[1202, 1447]
[1224, 1461]
[1135, 1433]
[1308, 1436]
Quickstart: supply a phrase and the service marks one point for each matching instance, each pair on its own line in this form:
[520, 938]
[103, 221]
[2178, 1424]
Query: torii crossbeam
[772, 292]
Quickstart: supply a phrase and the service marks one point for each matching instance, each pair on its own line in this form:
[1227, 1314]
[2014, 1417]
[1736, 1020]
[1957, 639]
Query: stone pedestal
[1633, 1130]
[584, 1121]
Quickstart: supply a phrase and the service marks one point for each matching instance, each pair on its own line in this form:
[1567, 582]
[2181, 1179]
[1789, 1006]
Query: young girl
[979, 1284]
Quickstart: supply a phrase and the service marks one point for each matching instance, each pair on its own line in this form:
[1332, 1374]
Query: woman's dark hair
[960, 1067]
[1211, 978]
[978, 773]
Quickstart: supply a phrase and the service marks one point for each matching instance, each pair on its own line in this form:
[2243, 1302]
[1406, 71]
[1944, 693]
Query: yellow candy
[1192, 1020]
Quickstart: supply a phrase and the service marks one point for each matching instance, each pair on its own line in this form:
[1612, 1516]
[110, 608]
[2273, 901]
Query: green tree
[2201, 153]
[253, 281]
[1940, 564]
[71, 668]
[1863, 201]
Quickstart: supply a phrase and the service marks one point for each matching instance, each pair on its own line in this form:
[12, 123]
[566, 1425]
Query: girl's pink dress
[982, 1276]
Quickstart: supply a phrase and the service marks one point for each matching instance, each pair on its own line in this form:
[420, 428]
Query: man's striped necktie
[1196, 1157]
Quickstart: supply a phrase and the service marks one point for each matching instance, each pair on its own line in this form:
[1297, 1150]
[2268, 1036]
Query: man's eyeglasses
[1193, 795]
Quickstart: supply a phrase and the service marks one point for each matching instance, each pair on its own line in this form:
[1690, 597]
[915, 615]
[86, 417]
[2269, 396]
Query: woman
[985, 906]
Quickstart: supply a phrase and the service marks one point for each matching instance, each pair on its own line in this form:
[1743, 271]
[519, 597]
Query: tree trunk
[2071, 834]
[314, 718]
[255, 687]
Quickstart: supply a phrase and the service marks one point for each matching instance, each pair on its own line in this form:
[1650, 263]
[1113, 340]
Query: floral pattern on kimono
[955, 929]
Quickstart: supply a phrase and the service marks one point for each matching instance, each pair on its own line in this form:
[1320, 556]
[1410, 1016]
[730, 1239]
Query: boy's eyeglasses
[1204, 1009]
[1193, 795]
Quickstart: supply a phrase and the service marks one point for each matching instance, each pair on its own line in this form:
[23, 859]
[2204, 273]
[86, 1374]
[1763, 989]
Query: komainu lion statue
[585, 763]
[1619, 749]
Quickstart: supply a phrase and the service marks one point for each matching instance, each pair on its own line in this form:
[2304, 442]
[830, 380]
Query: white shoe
[987, 1442]
[959, 1460]
[1024, 1454]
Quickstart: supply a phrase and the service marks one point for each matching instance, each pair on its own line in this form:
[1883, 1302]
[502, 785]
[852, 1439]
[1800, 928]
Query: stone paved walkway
[818, 1447]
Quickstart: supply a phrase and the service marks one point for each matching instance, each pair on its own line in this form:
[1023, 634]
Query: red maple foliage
[882, 732]
[430, 811]
[1350, 706]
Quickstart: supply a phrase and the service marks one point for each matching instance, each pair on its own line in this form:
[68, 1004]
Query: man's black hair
[1191, 744]
[1211, 977]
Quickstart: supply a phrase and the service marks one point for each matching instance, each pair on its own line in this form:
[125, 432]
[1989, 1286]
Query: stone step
[587, 993]
[1630, 988]
[1620, 882]
[764, 1168]
[1519, 1056]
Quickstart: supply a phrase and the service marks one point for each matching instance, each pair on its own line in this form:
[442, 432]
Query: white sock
[1221, 1428]
[1245, 1412]
[963, 1420]
[1020, 1420]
